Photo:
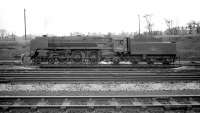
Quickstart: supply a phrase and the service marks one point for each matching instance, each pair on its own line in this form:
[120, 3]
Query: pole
[25, 23]
[139, 23]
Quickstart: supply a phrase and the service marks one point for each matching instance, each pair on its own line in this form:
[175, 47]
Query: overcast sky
[60, 17]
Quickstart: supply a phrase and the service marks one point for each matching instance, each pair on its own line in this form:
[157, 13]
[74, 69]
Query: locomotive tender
[94, 49]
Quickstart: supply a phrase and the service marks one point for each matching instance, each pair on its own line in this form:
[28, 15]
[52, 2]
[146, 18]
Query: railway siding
[28, 76]
[104, 103]
[45, 84]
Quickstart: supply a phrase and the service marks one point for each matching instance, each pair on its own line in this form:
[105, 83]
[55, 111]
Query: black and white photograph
[100, 56]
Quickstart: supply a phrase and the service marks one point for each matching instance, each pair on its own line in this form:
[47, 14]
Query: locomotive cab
[120, 45]
[120, 48]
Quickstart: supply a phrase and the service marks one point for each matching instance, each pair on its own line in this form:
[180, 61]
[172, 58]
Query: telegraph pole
[25, 23]
[139, 23]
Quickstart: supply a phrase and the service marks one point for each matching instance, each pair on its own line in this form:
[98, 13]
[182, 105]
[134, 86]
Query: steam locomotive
[94, 49]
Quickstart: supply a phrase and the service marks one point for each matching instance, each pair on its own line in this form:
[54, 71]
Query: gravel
[102, 86]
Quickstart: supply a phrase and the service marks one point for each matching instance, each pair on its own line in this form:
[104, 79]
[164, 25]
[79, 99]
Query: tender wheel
[76, 57]
[116, 60]
[166, 62]
[150, 61]
[134, 61]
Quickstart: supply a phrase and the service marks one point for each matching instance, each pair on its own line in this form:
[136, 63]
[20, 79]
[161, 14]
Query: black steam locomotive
[94, 49]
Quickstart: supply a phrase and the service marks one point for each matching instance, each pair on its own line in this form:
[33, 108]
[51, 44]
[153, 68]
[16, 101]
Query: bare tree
[169, 24]
[198, 27]
[149, 22]
[2, 33]
[192, 26]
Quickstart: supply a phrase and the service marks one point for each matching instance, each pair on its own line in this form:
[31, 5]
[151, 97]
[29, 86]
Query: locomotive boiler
[94, 49]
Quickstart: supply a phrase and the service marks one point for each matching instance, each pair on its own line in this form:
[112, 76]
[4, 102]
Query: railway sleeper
[100, 104]
[102, 110]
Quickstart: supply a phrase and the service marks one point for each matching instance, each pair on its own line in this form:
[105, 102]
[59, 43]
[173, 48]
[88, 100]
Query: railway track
[86, 68]
[92, 70]
[106, 73]
[12, 72]
[95, 76]
[107, 66]
[61, 70]
[101, 104]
